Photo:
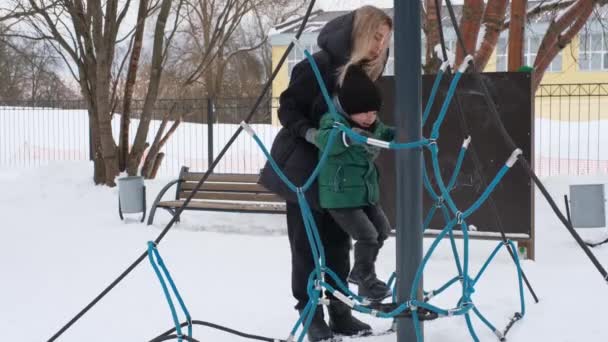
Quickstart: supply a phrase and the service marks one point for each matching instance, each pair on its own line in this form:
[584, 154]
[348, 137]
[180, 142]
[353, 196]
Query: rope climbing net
[454, 217]
[417, 309]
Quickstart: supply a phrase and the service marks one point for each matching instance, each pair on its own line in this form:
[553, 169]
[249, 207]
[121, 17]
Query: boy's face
[364, 120]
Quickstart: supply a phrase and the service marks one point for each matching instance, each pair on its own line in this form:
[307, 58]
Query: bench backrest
[224, 187]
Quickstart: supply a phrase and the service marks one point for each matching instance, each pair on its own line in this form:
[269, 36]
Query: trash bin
[131, 196]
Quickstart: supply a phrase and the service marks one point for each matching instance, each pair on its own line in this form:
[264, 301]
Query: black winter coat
[299, 110]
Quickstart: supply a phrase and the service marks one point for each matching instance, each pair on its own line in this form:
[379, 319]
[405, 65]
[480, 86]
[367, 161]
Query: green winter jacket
[349, 178]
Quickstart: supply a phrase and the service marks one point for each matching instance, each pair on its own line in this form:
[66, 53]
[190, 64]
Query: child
[348, 182]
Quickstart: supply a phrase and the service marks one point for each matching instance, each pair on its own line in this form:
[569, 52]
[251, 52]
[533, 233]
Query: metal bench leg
[151, 215]
[158, 198]
[143, 217]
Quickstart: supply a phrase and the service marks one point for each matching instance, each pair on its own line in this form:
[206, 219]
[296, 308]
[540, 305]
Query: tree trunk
[470, 23]
[129, 85]
[152, 159]
[516, 34]
[559, 35]
[157, 163]
[99, 170]
[493, 20]
[431, 30]
[152, 94]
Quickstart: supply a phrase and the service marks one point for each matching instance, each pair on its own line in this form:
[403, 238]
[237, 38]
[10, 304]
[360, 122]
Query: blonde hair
[368, 20]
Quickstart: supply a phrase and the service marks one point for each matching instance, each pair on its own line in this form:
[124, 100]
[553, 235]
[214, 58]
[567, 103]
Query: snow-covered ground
[63, 243]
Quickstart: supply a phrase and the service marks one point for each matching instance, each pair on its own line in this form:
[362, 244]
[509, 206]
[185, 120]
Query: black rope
[524, 162]
[198, 186]
[168, 333]
[516, 317]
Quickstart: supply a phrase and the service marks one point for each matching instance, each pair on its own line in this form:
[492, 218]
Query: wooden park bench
[220, 192]
[241, 193]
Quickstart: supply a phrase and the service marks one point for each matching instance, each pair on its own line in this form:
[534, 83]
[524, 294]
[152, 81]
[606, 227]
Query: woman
[362, 38]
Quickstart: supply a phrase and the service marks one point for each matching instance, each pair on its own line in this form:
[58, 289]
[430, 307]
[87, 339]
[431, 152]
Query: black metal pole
[210, 123]
[408, 162]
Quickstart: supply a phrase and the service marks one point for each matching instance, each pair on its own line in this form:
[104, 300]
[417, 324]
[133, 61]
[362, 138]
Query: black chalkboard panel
[513, 197]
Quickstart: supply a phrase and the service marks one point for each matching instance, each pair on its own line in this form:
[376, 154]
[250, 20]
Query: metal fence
[570, 135]
[38, 133]
[570, 132]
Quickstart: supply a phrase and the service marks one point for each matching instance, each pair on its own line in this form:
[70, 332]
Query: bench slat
[233, 196]
[222, 177]
[228, 187]
[244, 207]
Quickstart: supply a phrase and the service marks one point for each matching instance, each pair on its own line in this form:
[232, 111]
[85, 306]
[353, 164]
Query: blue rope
[429, 104]
[153, 253]
[452, 182]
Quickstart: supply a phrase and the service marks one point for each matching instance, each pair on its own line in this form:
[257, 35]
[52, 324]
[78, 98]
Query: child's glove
[311, 135]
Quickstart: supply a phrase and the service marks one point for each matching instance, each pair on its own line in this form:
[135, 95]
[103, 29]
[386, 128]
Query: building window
[297, 55]
[593, 54]
[531, 45]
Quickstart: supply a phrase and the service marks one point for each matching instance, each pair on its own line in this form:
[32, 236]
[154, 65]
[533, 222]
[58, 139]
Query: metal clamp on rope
[324, 301]
[459, 217]
[429, 296]
[379, 143]
[337, 124]
[413, 308]
[296, 43]
[318, 286]
[466, 142]
[247, 128]
[444, 66]
[374, 313]
[499, 335]
[440, 202]
[344, 140]
[431, 141]
[451, 312]
[513, 159]
[465, 64]
[341, 297]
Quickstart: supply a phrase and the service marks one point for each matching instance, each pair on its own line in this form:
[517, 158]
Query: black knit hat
[358, 93]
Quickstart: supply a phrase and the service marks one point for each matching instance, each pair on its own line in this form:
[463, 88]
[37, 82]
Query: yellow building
[578, 63]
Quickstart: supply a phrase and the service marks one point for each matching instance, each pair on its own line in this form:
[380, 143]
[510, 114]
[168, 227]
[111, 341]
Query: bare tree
[569, 17]
[28, 70]
[87, 36]
[105, 56]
